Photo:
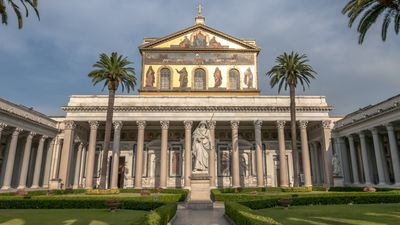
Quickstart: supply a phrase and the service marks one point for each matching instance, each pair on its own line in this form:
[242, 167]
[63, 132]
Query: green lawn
[69, 217]
[372, 214]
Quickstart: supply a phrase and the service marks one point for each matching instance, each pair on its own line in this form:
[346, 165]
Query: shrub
[161, 215]
[181, 192]
[102, 191]
[243, 215]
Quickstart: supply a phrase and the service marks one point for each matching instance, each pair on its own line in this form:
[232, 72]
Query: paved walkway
[201, 217]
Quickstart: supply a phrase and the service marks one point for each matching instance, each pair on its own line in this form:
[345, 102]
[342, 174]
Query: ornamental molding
[235, 124]
[141, 124]
[2, 126]
[273, 109]
[164, 124]
[303, 124]
[188, 124]
[280, 124]
[94, 125]
[211, 124]
[117, 125]
[326, 124]
[258, 124]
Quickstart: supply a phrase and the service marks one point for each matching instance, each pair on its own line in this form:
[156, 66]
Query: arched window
[165, 79]
[199, 79]
[234, 83]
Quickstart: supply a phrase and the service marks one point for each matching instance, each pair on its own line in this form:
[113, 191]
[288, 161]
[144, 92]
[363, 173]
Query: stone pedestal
[54, 184]
[199, 197]
[338, 181]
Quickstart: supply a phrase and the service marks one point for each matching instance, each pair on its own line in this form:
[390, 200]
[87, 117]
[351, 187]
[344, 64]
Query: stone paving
[201, 217]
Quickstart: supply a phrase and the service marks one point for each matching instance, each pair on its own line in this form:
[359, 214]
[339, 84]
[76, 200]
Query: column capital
[235, 124]
[117, 125]
[70, 125]
[211, 124]
[164, 124]
[303, 124]
[374, 131]
[188, 124]
[2, 126]
[280, 124]
[361, 134]
[141, 124]
[326, 124]
[43, 138]
[94, 125]
[258, 124]
[389, 126]
[31, 134]
[350, 137]
[17, 131]
[81, 145]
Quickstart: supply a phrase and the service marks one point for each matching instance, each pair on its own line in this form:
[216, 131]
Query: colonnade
[45, 148]
[366, 163]
[65, 160]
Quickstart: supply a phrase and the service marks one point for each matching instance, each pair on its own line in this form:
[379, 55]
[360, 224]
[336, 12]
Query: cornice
[197, 109]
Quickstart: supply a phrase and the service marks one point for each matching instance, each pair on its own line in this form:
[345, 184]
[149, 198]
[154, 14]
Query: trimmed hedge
[182, 192]
[47, 192]
[243, 215]
[327, 199]
[241, 212]
[161, 215]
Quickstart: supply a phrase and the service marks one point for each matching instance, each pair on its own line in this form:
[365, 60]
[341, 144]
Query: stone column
[66, 154]
[56, 161]
[10, 159]
[164, 155]
[378, 156]
[115, 155]
[38, 163]
[364, 156]
[305, 153]
[235, 154]
[188, 152]
[354, 164]
[345, 160]
[139, 154]
[257, 134]
[212, 173]
[25, 161]
[2, 126]
[77, 166]
[83, 164]
[327, 152]
[91, 155]
[47, 168]
[283, 168]
[394, 153]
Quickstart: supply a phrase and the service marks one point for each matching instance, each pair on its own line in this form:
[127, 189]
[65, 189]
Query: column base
[75, 186]
[45, 186]
[34, 186]
[5, 188]
[21, 187]
[396, 184]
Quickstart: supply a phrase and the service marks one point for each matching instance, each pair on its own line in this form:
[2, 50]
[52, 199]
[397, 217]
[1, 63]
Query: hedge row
[243, 215]
[354, 198]
[265, 189]
[242, 212]
[182, 192]
[75, 204]
[161, 215]
[47, 192]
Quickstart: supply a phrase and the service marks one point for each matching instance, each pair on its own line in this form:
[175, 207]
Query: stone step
[199, 205]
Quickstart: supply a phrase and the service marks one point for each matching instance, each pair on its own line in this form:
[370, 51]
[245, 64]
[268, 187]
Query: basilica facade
[195, 76]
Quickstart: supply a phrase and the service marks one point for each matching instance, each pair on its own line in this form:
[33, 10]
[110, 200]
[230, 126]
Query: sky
[48, 60]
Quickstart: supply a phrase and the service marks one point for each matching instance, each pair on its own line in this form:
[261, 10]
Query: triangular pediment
[199, 37]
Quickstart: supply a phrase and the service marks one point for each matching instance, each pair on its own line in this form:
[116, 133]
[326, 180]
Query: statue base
[200, 194]
[338, 181]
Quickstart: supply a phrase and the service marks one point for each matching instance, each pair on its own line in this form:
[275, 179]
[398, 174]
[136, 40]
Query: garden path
[213, 216]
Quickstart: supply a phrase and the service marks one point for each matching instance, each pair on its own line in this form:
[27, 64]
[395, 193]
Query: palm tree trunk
[293, 125]
[107, 136]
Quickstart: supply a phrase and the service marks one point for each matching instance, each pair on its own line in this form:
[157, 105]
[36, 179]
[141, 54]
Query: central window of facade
[165, 79]
[199, 79]
[234, 83]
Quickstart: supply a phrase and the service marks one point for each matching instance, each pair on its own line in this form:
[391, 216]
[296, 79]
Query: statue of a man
[200, 148]
[183, 77]
[337, 166]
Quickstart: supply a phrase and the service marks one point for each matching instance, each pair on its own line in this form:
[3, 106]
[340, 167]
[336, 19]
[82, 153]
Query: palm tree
[369, 11]
[290, 70]
[114, 72]
[17, 9]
